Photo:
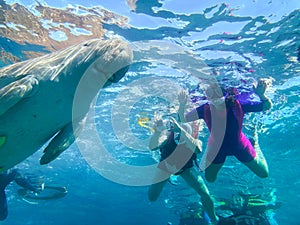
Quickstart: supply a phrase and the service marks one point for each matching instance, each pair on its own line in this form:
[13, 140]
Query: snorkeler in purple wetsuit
[228, 139]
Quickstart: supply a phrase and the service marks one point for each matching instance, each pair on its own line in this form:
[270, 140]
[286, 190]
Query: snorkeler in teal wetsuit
[178, 146]
[234, 141]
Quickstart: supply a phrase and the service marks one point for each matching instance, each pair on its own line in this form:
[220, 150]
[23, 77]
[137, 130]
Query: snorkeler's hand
[261, 86]
[38, 186]
[158, 125]
[182, 97]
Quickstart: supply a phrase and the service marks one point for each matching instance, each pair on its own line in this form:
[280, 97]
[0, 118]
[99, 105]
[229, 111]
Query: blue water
[240, 42]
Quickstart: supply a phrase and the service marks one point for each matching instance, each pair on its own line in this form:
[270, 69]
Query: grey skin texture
[37, 97]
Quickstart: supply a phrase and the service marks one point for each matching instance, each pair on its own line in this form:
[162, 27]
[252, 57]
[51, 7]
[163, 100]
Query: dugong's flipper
[15, 91]
[62, 140]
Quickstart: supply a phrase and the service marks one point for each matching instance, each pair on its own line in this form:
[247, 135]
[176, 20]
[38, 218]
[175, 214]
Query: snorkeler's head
[233, 91]
[217, 95]
[229, 95]
[214, 94]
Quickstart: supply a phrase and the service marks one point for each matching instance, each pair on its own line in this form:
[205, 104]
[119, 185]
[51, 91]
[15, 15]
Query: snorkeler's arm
[260, 90]
[154, 141]
[27, 183]
[181, 113]
[195, 114]
[267, 104]
[182, 99]
[191, 142]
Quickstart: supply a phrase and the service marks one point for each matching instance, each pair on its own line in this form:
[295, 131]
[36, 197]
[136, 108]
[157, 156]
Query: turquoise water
[240, 42]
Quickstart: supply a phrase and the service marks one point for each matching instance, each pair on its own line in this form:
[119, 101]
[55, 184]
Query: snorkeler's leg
[197, 183]
[212, 171]
[259, 164]
[3, 205]
[161, 177]
[213, 160]
[155, 190]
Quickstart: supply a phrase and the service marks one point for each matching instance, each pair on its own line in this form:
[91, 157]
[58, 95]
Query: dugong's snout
[112, 59]
[121, 59]
[119, 74]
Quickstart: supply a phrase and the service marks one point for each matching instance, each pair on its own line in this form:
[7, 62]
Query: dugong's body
[36, 97]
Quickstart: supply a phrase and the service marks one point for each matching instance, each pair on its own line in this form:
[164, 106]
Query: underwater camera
[169, 124]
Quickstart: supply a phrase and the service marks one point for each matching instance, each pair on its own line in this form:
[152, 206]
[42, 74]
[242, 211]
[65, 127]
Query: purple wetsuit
[235, 142]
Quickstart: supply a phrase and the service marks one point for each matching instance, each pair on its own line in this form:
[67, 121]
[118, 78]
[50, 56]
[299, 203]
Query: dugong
[37, 97]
